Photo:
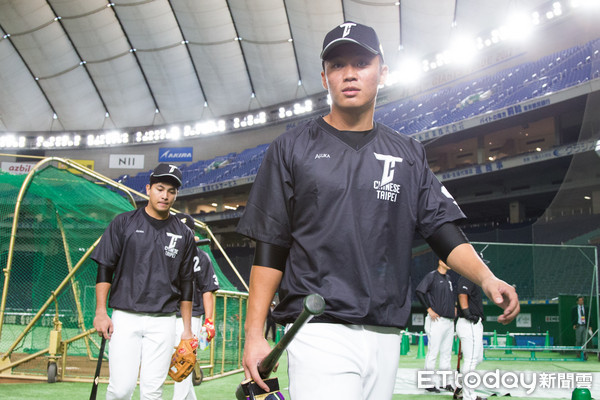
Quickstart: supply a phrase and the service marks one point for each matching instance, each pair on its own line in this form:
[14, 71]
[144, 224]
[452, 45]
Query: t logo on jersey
[385, 188]
[170, 250]
[388, 167]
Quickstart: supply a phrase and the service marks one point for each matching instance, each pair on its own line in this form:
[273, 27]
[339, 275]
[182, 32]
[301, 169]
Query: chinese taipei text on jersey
[348, 215]
[157, 270]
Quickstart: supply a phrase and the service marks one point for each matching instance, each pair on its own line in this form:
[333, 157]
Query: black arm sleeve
[105, 273]
[423, 299]
[270, 255]
[445, 239]
[187, 290]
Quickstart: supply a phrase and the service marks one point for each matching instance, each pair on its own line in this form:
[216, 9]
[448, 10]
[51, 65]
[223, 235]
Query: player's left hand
[210, 328]
[504, 296]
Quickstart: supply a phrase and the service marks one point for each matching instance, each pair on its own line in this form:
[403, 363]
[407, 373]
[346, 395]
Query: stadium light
[409, 72]
[519, 27]
[174, 133]
[12, 141]
[463, 50]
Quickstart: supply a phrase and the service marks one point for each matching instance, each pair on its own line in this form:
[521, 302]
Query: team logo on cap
[347, 26]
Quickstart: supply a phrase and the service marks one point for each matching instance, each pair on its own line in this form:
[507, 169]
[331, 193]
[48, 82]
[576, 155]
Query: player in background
[205, 284]
[333, 211]
[145, 261]
[271, 325]
[469, 328]
[436, 293]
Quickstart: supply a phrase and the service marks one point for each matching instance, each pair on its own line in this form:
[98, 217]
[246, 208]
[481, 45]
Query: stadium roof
[90, 64]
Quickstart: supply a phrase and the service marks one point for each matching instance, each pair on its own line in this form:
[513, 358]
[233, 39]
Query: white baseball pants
[140, 343]
[337, 361]
[471, 344]
[440, 335]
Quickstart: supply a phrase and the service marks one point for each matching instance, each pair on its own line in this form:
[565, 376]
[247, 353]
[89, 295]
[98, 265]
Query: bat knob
[314, 304]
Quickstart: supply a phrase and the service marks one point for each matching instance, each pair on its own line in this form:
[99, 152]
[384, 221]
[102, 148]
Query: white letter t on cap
[347, 26]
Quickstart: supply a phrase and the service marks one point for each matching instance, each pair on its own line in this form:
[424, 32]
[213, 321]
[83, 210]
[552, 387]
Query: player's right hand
[210, 329]
[504, 296]
[103, 325]
[432, 314]
[254, 351]
[468, 316]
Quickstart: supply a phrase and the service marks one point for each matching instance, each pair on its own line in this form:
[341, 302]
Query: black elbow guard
[445, 239]
[105, 273]
[270, 255]
[187, 291]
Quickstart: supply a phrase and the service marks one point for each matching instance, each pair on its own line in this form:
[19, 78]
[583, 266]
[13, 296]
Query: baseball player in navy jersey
[145, 260]
[205, 283]
[469, 329]
[436, 293]
[333, 211]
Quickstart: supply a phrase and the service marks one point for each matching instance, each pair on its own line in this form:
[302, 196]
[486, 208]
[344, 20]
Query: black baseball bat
[202, 242]
[458, 390]
[313, 305]
[98, 366]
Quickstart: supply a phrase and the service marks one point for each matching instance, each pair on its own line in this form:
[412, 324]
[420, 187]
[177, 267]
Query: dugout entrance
[50, 221]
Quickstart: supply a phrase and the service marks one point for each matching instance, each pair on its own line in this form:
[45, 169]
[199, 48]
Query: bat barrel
[202, 242]
[314, 305]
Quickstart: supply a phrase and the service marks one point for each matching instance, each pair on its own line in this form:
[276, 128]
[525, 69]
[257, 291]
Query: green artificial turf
[224, 388]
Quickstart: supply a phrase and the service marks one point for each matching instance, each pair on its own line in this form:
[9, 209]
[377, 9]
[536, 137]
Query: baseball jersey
[151, 258]
[439, 292]
[465, 286]
[348, 215]
[205, 280]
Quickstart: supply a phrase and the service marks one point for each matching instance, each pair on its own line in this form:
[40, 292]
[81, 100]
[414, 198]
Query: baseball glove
[183, 360]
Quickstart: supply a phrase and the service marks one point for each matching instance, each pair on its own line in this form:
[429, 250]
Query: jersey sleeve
[108, 251]
[423, 286]
[205, 278]
[186, 271]
[464, 286]
[268, 209]
[436, 205]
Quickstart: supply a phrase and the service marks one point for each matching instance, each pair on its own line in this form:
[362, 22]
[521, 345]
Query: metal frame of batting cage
[58, 348]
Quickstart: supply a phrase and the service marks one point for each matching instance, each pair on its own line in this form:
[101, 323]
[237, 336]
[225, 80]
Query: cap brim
[169, 177]
[337, 42]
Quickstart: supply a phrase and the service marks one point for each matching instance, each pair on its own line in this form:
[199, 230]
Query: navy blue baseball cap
[168, 173]
[187, 220]
[352, 32]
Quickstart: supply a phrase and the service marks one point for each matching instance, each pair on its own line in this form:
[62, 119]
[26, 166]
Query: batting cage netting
[539, 272]
[51, 219]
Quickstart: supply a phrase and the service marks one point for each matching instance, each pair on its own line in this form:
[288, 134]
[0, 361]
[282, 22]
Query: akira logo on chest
[385, 188]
